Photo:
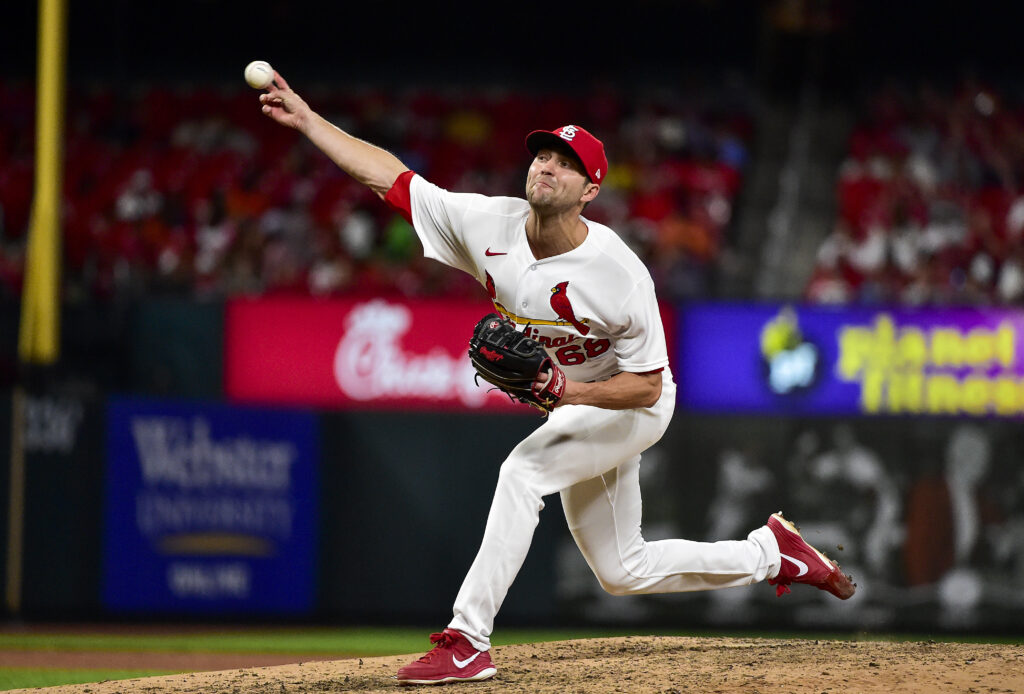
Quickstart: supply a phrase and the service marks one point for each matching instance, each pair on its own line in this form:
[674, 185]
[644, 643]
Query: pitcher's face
[556, 181]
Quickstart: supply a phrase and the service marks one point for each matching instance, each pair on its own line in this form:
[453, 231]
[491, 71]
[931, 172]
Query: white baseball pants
[592, 456]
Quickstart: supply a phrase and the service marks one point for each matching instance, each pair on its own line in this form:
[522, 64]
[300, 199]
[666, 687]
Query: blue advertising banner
[209, 508]
[784, 359]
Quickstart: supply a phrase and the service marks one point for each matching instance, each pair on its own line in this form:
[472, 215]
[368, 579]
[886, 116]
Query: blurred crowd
[930, 200]
[192, 191]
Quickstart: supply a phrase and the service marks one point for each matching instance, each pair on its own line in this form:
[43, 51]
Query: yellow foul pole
[39, 334]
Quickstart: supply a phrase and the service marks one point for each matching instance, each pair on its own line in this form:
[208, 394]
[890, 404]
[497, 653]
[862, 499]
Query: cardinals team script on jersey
[594, 308]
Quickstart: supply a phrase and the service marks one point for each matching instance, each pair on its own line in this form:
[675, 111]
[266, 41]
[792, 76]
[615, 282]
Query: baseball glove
[511, 361]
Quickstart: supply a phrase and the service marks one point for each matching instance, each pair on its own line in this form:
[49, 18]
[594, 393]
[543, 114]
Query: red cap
[588, 148]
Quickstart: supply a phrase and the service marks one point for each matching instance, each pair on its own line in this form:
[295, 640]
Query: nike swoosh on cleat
[463, 663]
[799, 564]
[490, 252]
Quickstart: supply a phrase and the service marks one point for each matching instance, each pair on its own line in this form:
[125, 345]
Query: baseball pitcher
[575, 332]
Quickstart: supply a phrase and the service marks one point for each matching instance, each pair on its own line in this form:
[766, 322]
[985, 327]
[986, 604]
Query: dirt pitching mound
[643, 664]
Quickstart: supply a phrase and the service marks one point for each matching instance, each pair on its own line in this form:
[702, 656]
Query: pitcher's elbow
[653, 396]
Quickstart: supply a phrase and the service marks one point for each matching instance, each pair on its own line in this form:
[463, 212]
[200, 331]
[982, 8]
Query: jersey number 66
[570, 355]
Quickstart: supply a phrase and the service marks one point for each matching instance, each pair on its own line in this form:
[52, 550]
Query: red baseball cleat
[801, 563]
[453, 659]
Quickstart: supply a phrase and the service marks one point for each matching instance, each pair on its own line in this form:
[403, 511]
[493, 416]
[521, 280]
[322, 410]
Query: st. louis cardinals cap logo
[567, 132]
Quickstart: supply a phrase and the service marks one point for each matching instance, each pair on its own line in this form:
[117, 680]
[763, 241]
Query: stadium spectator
[930, 205]
[177, 189]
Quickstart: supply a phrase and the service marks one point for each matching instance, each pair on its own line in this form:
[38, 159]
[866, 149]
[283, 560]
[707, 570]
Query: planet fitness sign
[819, 360]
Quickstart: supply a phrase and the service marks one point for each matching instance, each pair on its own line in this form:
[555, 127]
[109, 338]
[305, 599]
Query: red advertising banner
[357, 354]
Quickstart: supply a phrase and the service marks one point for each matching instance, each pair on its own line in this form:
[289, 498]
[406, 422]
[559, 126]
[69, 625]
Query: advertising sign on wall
[926, 516]
[209, 508]
[371, 354]
[820, 360]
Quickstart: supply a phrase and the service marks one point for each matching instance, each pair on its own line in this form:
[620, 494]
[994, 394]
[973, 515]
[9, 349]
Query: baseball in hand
[259, 74]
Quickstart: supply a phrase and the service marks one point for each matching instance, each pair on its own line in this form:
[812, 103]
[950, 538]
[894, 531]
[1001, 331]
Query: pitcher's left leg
[604, 515]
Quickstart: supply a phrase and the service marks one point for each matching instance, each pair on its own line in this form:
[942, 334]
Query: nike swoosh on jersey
[799, 564]
[463, 663]
[490, 252]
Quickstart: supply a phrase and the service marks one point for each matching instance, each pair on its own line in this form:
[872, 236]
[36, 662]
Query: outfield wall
[152, 492]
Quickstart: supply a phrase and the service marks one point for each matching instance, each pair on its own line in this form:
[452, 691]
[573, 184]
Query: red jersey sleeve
[398, 195]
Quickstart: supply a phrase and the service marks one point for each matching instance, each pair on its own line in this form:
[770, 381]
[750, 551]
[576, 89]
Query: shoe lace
[442, 640]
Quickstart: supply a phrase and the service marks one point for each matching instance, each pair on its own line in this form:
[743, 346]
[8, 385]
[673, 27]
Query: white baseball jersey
[593, 308]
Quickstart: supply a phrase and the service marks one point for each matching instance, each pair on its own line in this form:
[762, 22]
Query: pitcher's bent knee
[513, 472]
[519, 479]
[618, 583]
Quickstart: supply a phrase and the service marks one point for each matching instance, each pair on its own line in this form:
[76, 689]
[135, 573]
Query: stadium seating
[190, 190]
[930, 200]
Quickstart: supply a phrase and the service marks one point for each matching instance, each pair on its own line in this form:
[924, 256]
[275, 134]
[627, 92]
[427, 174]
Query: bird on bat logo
[563, 307]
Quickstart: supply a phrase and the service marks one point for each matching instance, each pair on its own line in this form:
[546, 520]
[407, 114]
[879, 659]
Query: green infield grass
[19, 678]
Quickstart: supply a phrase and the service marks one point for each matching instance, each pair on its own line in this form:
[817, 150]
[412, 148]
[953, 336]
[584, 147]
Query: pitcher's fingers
[280, 80]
